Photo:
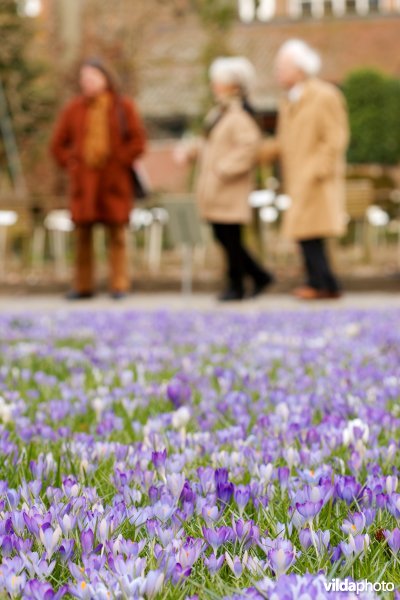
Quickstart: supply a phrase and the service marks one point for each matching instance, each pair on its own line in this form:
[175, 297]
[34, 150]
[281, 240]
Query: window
[265, 10]
[260, 10]
[32, 8]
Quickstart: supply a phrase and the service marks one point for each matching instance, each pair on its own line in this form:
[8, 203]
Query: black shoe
[231, 295]
[261, 285]
[118, 295]
[74, 295]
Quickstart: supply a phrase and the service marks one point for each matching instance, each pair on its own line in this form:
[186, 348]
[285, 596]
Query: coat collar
[306, 91]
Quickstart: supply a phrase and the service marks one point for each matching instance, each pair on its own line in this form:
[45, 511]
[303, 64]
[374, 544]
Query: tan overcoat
[311, 142]
[226, 169]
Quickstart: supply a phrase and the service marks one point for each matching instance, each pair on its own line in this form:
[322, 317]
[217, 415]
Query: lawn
[200, 456]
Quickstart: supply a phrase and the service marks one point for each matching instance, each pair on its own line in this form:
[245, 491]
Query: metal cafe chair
[185, 231]
[8, 218]
[140, 219]
[59, 225]
[378, 221]
[160, 220]
[359, 196]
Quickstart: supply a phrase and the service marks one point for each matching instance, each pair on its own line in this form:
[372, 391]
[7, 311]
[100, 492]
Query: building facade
[167, 46]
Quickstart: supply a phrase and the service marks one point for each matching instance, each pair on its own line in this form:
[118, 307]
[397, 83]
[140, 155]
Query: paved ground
[198, 301]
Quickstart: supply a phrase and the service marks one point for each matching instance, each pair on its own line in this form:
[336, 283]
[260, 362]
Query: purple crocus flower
[235, 564]
[356, 545]
[319, 539]
[283, 477]
[180, 573]
[13, 497]
[221, 476]
[370, 514]
[281, 559]
[355, 524]
[207, 478]
[210, 514]
[216, 537]
[159, 459]
[154, 494]
[14, 584]
[6, 545]
[190, 552]
[179, 391]
[49, 538]
[241, 496]
[394, 505]
[224, 492]
[187, 494]
[87, 541]
[348, 489]
[67, 523]
[153, 583]
[66, 550]
[213, 563]
[336, 554]
[393, 539]
[32, 524]
[308, 510]
[38, 590]
[245, 532]
[18, 522]
[163, 510]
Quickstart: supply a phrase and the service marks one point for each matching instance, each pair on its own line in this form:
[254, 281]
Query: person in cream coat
[310, 143]
[228, 155]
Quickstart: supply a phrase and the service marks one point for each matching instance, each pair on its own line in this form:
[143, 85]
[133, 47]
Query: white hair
[303, 56]
[235, 70]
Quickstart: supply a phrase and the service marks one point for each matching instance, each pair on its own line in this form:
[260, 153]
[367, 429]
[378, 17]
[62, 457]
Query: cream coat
[227, 161]
[311, 142]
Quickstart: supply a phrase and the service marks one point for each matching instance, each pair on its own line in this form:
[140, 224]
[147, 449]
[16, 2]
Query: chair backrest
[184, 225]
[8, 218]
[59, 220]
[377, 217]
[140, 218]
[359, 196]
[260, 198]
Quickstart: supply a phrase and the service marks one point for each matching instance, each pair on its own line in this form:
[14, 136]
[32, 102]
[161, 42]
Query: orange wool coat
[99, 195]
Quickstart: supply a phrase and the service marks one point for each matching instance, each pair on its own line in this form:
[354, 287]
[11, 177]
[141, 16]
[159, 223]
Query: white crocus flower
[349, 435]
[181, 417]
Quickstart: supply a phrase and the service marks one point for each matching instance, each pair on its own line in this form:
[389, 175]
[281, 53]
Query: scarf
[96, 146]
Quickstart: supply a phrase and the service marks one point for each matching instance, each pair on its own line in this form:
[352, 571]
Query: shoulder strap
[122, 120]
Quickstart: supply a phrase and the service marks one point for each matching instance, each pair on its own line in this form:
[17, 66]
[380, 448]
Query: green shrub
[373, 99]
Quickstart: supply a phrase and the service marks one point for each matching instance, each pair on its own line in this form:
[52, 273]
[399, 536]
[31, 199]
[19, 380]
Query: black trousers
[319, 273]
[240, 262]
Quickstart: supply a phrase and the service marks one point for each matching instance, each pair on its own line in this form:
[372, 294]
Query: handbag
[140, 187]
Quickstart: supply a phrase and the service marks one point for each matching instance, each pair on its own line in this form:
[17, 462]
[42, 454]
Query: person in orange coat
[98, 136]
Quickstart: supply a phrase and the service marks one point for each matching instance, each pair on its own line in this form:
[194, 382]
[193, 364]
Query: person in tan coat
[96, 139]
[226, 173]
[311, 142]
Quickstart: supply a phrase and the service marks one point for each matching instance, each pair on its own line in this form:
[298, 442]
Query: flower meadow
[199, 455]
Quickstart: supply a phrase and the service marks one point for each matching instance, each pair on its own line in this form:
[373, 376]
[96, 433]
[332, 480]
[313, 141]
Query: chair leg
[155, 247]
[3, 248]
[38, 246]
[398, 247]
[200, 254]
[60, 253]
[187, 269]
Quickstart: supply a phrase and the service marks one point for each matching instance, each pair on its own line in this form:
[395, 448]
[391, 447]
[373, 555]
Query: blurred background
[161, 50]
